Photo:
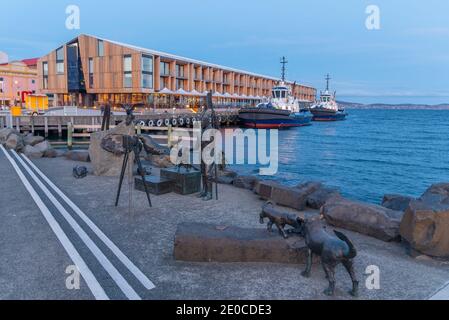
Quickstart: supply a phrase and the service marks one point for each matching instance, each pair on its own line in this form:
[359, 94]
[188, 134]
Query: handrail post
[169, 135]
[69, 135]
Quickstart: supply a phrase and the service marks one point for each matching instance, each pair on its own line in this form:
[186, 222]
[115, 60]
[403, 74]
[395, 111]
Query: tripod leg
[108, 119]
[122, 174]
[216, 182]
[142, 174]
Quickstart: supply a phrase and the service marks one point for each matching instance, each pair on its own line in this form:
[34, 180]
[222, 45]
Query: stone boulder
[32, 140]
[309, 187]
[32, 152]
[369, 219]
[105, 163]
[5, 133]
[264, 188]
[245, 182]
[51, 153]
[396, 202]
[78, 155]
[225, 180]
[226, 176]
[43, 146]
[318, 198]
[290, 197]
[196, 242]
[15, 142]
[425, 225]
[437, 193]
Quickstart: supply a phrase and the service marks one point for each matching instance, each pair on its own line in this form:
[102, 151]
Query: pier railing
[86, 131]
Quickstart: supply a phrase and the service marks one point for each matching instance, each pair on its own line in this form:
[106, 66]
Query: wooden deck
[56, 124]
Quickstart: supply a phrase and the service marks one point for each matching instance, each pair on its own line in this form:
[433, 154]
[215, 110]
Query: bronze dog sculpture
[333, 250]
[152, 147]
[279, 219]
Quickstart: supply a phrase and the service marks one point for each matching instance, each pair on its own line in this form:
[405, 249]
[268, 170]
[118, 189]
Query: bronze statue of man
[208, 121]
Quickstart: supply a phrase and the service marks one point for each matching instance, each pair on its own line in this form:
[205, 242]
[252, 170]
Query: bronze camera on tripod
[132, 144]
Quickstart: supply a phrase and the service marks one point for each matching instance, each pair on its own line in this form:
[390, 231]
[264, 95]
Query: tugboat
[327, 109]
[282, 111]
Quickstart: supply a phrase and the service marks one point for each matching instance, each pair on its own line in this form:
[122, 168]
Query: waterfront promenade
[34, 260]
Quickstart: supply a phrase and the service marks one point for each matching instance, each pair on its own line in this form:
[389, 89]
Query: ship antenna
[328, 77]
[283, 62]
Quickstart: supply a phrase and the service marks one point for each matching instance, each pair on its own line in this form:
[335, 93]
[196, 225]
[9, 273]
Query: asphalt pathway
[48, 243]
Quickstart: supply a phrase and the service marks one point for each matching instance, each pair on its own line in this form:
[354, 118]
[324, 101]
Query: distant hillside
[353, 105]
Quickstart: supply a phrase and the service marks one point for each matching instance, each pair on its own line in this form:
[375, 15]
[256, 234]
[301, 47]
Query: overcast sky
[407, 60]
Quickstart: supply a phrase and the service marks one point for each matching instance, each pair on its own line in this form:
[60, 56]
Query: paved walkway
[442, 294]
[122, 253]
[47, 233]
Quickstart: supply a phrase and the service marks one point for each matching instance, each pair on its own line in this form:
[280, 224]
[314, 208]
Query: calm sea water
[372, 153]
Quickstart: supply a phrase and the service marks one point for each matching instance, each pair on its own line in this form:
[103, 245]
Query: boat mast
[327, 82]
[283, 62]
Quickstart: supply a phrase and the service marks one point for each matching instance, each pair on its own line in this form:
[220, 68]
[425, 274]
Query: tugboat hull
[272, 119]
[328, 115]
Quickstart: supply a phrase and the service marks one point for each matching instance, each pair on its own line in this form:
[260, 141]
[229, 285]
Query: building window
[180, 71]
[60, 60]
[165, 69]
[179, 84]
[91, 73]
[163, 83]
[198, 74]
[45, 75]
[127, 71]
[100, 48]
[33, 81]
[147, 72]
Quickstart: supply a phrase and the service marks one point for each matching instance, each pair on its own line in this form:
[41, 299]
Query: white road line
[84, 270]
[129, 292]
[119, 254]
[442, 293]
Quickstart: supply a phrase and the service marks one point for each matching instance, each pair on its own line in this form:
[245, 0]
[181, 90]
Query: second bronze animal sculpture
[333, 250]
[279, 219]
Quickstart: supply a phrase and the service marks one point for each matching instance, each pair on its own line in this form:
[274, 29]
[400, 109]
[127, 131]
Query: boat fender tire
[151, 123]
[160, 122]
[167, 122]
[174, 122]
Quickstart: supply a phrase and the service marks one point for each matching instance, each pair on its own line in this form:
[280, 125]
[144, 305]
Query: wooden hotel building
[90, 71]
